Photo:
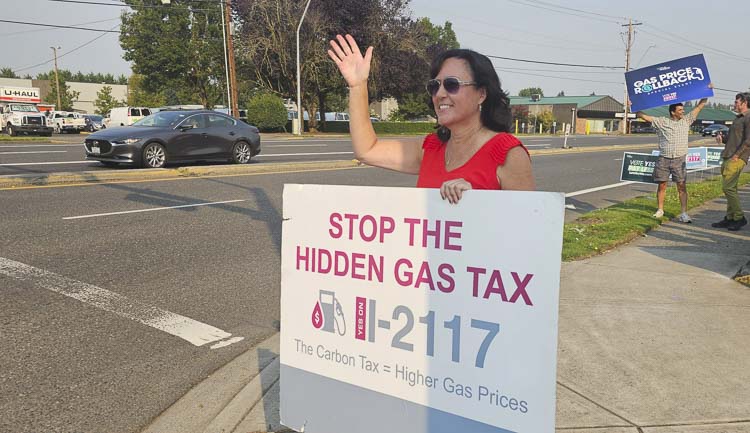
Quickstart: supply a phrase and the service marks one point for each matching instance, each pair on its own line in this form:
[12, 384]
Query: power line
[556, 38]
[698, 44]
[67, 52]
[684, 42]
[99, 3]
[575, 10]
[554, 63]
[531, 43]
[558, 77]
[44, 30]
[563, 12]
[563, 71]
[58, 26]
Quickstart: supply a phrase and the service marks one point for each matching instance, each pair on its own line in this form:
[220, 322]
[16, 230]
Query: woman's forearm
[360, 127]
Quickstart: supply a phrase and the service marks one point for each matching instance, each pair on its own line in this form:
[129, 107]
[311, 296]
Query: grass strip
[4, 138]
[604, 229]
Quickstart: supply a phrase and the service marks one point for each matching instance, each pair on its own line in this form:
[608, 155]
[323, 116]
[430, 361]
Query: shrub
[267, 112]
[385, 127]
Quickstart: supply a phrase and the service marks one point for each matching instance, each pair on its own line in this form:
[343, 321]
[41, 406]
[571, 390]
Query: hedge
[383, 127]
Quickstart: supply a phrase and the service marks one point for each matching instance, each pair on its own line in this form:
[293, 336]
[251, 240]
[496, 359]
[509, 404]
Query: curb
[229, 397]
[137, 175]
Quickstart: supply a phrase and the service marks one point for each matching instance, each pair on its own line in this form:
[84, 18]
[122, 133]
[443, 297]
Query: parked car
[66, 122]
[126, 116]
[94, 122]
[175, 136]
[642, 128]
[713, 129]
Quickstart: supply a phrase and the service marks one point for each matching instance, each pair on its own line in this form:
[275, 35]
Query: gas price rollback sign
[401, 312]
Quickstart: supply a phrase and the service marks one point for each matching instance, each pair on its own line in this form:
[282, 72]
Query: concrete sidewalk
[654, 338]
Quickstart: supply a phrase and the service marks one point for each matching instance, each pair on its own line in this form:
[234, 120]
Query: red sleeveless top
[480, 170]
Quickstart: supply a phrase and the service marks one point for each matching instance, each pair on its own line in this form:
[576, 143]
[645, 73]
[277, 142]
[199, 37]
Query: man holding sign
[673, 146]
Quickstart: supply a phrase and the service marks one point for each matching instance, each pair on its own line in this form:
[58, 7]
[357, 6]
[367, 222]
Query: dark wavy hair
[496, 114]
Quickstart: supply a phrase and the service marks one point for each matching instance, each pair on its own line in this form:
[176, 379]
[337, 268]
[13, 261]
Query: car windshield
[162, 119]
[95, 118]
[24, 107]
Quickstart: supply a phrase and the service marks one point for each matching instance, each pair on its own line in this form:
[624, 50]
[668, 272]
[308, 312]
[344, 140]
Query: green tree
[140, 97]
[545, 118]
[527, 92]
[8, 73]
[561, 93]
[178, 49]
[412, 106]
[105, 102]
[267, 112]
[67, 96]
[267, 47]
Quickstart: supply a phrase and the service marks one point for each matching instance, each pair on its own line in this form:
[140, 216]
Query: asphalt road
[86, 272]
[66, 153]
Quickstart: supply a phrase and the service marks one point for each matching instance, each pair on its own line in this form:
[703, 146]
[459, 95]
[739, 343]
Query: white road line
[306, 154]
[15, 164]
[42, 145]
[295, 145]
[34, 151]
[598, 188]
[150, 209]
[190, 330]
[306, 141]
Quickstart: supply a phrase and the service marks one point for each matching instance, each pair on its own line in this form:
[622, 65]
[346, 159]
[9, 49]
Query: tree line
[178, 51]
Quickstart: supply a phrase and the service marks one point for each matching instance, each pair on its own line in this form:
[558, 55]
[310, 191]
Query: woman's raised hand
[348, 58]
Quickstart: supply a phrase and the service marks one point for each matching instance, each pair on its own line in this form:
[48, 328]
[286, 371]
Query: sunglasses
[451, 85]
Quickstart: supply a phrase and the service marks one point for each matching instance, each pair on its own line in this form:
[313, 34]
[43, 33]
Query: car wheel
[12, 132]
[241, 153]
[154, 156]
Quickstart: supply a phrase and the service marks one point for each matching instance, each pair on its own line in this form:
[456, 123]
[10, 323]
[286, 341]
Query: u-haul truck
[19, 112]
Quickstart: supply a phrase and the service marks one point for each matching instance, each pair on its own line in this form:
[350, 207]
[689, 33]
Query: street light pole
[57, 80]
[300, 115]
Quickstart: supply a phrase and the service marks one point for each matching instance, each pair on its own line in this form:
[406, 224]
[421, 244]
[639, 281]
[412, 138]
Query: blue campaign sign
[697, 157]
[668, 83]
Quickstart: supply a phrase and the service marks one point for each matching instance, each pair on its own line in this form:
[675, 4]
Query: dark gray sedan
[173, 137]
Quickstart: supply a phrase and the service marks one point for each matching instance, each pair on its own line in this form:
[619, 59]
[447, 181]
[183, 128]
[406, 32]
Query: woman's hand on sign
[453, 189]
[353, 66]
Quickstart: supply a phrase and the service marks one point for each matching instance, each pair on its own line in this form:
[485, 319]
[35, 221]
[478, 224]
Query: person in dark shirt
[734, 158]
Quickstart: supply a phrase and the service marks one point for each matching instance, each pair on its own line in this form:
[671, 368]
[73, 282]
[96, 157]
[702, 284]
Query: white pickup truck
[19, 112]
[66, 121]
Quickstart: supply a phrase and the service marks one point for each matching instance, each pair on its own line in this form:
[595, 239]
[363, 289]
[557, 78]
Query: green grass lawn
[5, 138]
[604, 229]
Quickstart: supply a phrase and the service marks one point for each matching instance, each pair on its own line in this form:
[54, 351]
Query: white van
[126, 116]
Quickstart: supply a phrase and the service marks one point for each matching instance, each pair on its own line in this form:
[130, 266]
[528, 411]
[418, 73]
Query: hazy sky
[586, 32]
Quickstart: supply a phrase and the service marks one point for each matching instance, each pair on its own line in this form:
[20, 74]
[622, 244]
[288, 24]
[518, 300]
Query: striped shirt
[673, 135]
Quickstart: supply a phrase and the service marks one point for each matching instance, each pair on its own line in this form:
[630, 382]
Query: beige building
[383, 109]
[87, 91]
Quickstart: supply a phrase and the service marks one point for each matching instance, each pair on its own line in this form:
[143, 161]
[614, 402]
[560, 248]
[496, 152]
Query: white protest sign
[401, 312]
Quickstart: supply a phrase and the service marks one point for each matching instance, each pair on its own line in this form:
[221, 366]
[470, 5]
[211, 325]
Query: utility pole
[57, 80]
[628, 46]
[232, 71]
